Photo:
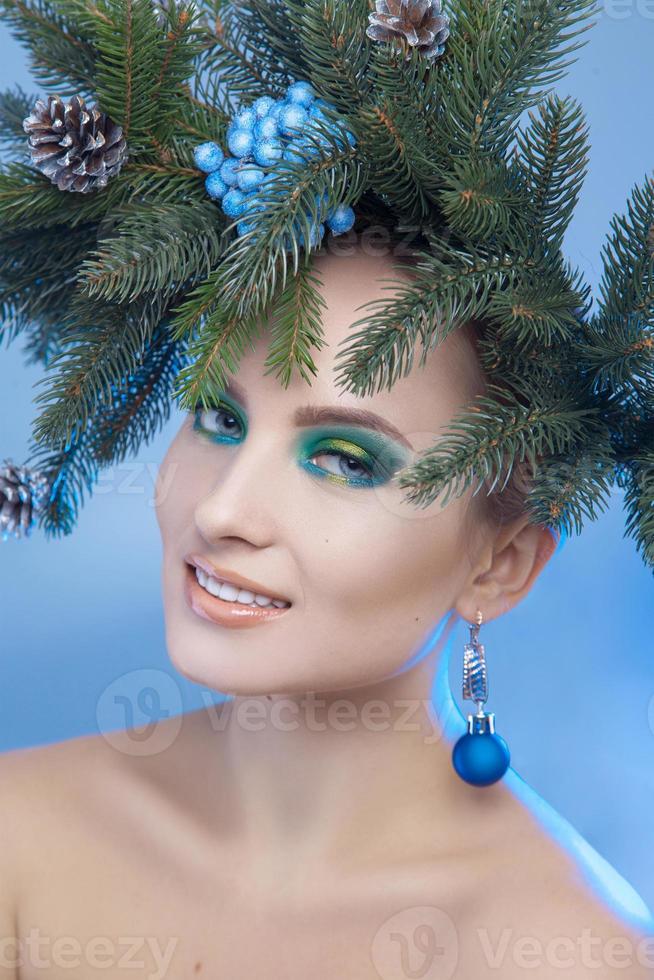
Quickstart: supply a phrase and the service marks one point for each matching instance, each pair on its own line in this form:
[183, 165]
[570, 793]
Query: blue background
[571, 669]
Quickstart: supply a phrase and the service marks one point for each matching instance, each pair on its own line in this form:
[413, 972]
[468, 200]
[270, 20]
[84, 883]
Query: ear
[507, 568]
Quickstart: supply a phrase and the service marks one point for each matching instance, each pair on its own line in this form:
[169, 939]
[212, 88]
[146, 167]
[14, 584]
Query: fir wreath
[140, 288]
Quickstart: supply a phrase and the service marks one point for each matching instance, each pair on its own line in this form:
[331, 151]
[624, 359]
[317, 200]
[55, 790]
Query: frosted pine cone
[419, 22]
[22, 493]
[79, 149]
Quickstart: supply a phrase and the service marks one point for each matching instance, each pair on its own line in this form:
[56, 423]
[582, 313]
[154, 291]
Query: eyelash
[351, 481]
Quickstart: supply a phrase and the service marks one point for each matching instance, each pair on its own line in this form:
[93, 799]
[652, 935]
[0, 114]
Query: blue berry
[341, 219]
[301, 93]
[269, 185]
[262, 106]
[234, 203]
[245, 118]
[267, 151]
[315, 236]
[215, 185]
[294, 151]
[243, 227]
[266, 128]
[274, 111]
[249, 177]
[252, 204]
[228, 170]
[321, 200]
[208, 156]
[240, 142]
[292, 118]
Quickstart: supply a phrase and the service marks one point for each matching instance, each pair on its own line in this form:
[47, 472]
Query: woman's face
[251, 491]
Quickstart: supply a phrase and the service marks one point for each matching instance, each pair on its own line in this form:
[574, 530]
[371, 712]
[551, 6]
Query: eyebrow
[307, 415]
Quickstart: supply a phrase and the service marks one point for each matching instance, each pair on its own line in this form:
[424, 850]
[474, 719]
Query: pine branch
[447, 288]
[553, 155]
[484, 441]
[484, 199]
[627, 285]
[538, 309]
[154, 247]
[131, 69]
[265, 24]
[15, 104]
[574, 486]
[73, 471]
[639, 504]
[140, 402]
[103, 342]
[233, 70]
[295, 326]
[620, 352]
[335, 48]
[181, 46]
[387, 138]
[61, 54]
[37, 273]
[213, 354]
[29, 200]
[498, 59]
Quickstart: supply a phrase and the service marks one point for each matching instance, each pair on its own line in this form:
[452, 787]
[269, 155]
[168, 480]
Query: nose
[248, 497]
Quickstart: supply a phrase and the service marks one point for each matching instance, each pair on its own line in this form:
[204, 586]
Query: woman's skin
[313, 824]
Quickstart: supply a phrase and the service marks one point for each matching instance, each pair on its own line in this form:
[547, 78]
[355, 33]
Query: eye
[346, 466]
[220, 422]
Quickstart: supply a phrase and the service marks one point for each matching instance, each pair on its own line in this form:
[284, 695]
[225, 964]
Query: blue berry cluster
[257, 137]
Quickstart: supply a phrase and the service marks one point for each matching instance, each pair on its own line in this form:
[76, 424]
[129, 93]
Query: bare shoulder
[557, 904]
[52, 793]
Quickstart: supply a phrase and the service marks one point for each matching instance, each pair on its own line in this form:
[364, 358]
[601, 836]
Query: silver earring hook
[475, 676]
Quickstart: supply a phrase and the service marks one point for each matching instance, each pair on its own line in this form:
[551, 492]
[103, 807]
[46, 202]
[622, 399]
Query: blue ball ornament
[252, 205]
[245, 118]
[292, 119]
[316, 234]
[302, 93]
[268, 151]
[266, 128]
[208, 156]
[240, 142]
[234, 203]
[481, 756]
[243, 227]
[215, 185]
[249, 177]
[295, 151]
[340, 219]
[262, 106]
[274, 111]
[229, 171]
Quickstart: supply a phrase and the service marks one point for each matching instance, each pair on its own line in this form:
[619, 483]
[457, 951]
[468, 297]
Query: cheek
[176, 492]
[373, 563]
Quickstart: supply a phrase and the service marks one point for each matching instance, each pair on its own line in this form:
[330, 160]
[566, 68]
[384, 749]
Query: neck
[346, 776]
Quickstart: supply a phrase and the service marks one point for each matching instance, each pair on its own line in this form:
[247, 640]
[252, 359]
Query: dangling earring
[481, 756]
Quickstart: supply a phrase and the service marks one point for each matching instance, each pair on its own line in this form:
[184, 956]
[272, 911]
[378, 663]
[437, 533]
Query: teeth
[232, 593]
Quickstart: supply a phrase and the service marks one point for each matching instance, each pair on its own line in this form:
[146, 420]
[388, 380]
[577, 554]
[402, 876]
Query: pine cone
[419, 22]
[22, 493]
[79, 149]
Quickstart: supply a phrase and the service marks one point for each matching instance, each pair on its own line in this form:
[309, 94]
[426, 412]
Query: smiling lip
[234, 615]
[225, 575]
